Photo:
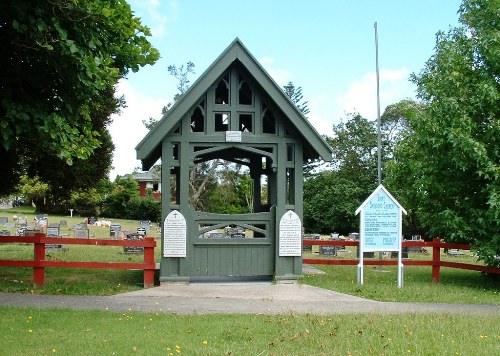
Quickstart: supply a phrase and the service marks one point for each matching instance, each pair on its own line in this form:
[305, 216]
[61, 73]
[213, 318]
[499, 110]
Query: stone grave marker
[63, 223]
[3, 220]
[53, 231]
[82, 233]
[21, 221]
[113, 228]
[134, 249]
[145, 224]
[4, 233]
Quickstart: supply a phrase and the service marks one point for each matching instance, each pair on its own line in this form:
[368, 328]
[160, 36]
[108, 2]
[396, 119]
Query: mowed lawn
[67, 332]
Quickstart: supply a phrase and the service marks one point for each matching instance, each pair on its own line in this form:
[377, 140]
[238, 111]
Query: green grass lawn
[43, 332]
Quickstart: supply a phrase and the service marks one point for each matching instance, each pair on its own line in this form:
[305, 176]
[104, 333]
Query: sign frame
[380, 228]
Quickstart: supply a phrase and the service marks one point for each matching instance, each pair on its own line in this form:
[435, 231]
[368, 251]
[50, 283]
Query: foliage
[295, 95]
[59, 63]
[330, 201]
[147, 208]
[124, 202]
[448, 169]
[33, 188]
[233, 192]
[332, 197]
[122, 191]
[86, 201]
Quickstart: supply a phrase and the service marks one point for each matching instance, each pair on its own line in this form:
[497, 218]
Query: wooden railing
[436, 245]
[39, 263]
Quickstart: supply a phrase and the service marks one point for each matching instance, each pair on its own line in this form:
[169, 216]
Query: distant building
[148, 180]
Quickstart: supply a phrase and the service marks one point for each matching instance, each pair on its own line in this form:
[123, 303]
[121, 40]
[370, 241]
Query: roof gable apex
[148, 149]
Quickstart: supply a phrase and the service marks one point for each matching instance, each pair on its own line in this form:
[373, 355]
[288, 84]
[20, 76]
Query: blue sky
[327, 47]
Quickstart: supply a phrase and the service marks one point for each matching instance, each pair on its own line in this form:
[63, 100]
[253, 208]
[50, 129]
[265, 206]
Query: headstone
[135, 249]
[145, 224]
[328, 250]
[63, 223]
[80, 226]
[112, 230]
[82, 233]
[3, 220]
[53, 231]
[174, 235]
[21, 221]
[9, 225]
[290, 235]
[141, 231]
[4, 233]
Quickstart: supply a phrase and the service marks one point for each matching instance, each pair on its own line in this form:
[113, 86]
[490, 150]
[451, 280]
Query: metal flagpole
[379, 139]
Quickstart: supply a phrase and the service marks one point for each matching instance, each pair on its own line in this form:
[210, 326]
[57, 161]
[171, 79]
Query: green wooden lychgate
[237, 113]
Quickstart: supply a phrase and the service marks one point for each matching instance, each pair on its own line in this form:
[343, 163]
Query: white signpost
[174, 235]
[380, 228]
[290, 235]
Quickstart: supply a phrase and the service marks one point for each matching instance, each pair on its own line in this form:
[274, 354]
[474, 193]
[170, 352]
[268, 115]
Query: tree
[58, 60]
[332, 196]
[451, 161]
[295, 95]
[182, 76]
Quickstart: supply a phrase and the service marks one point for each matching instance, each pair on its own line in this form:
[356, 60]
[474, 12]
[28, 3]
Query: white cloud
[156, 14]
[280, 76]
[127, 129]
[361, 96]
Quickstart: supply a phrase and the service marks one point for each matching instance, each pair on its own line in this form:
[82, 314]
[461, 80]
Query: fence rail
[436, 245]
[39, 263]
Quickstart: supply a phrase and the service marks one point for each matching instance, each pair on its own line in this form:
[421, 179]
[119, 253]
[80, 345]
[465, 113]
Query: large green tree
[59, 63]
[332, 196]
[449, 167]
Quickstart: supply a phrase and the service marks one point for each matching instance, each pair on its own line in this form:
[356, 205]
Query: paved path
[237, 298]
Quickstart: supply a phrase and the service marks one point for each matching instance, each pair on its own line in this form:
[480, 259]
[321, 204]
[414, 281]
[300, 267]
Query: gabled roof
[375, 192]
[149, 149]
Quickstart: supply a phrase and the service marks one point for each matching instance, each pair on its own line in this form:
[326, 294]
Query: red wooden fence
[436, 245]
[39, 263]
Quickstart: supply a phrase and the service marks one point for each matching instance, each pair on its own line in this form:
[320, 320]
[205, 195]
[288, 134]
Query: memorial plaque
[290, 235]
[3, 220]
[174, 235]
[233, 136]
[134, 249]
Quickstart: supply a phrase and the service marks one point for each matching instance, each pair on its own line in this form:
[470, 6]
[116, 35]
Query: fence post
[436, 259]
[149, 258]
[39, 257]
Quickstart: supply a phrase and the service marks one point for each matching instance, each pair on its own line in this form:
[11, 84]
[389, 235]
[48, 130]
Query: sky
[326, 47]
